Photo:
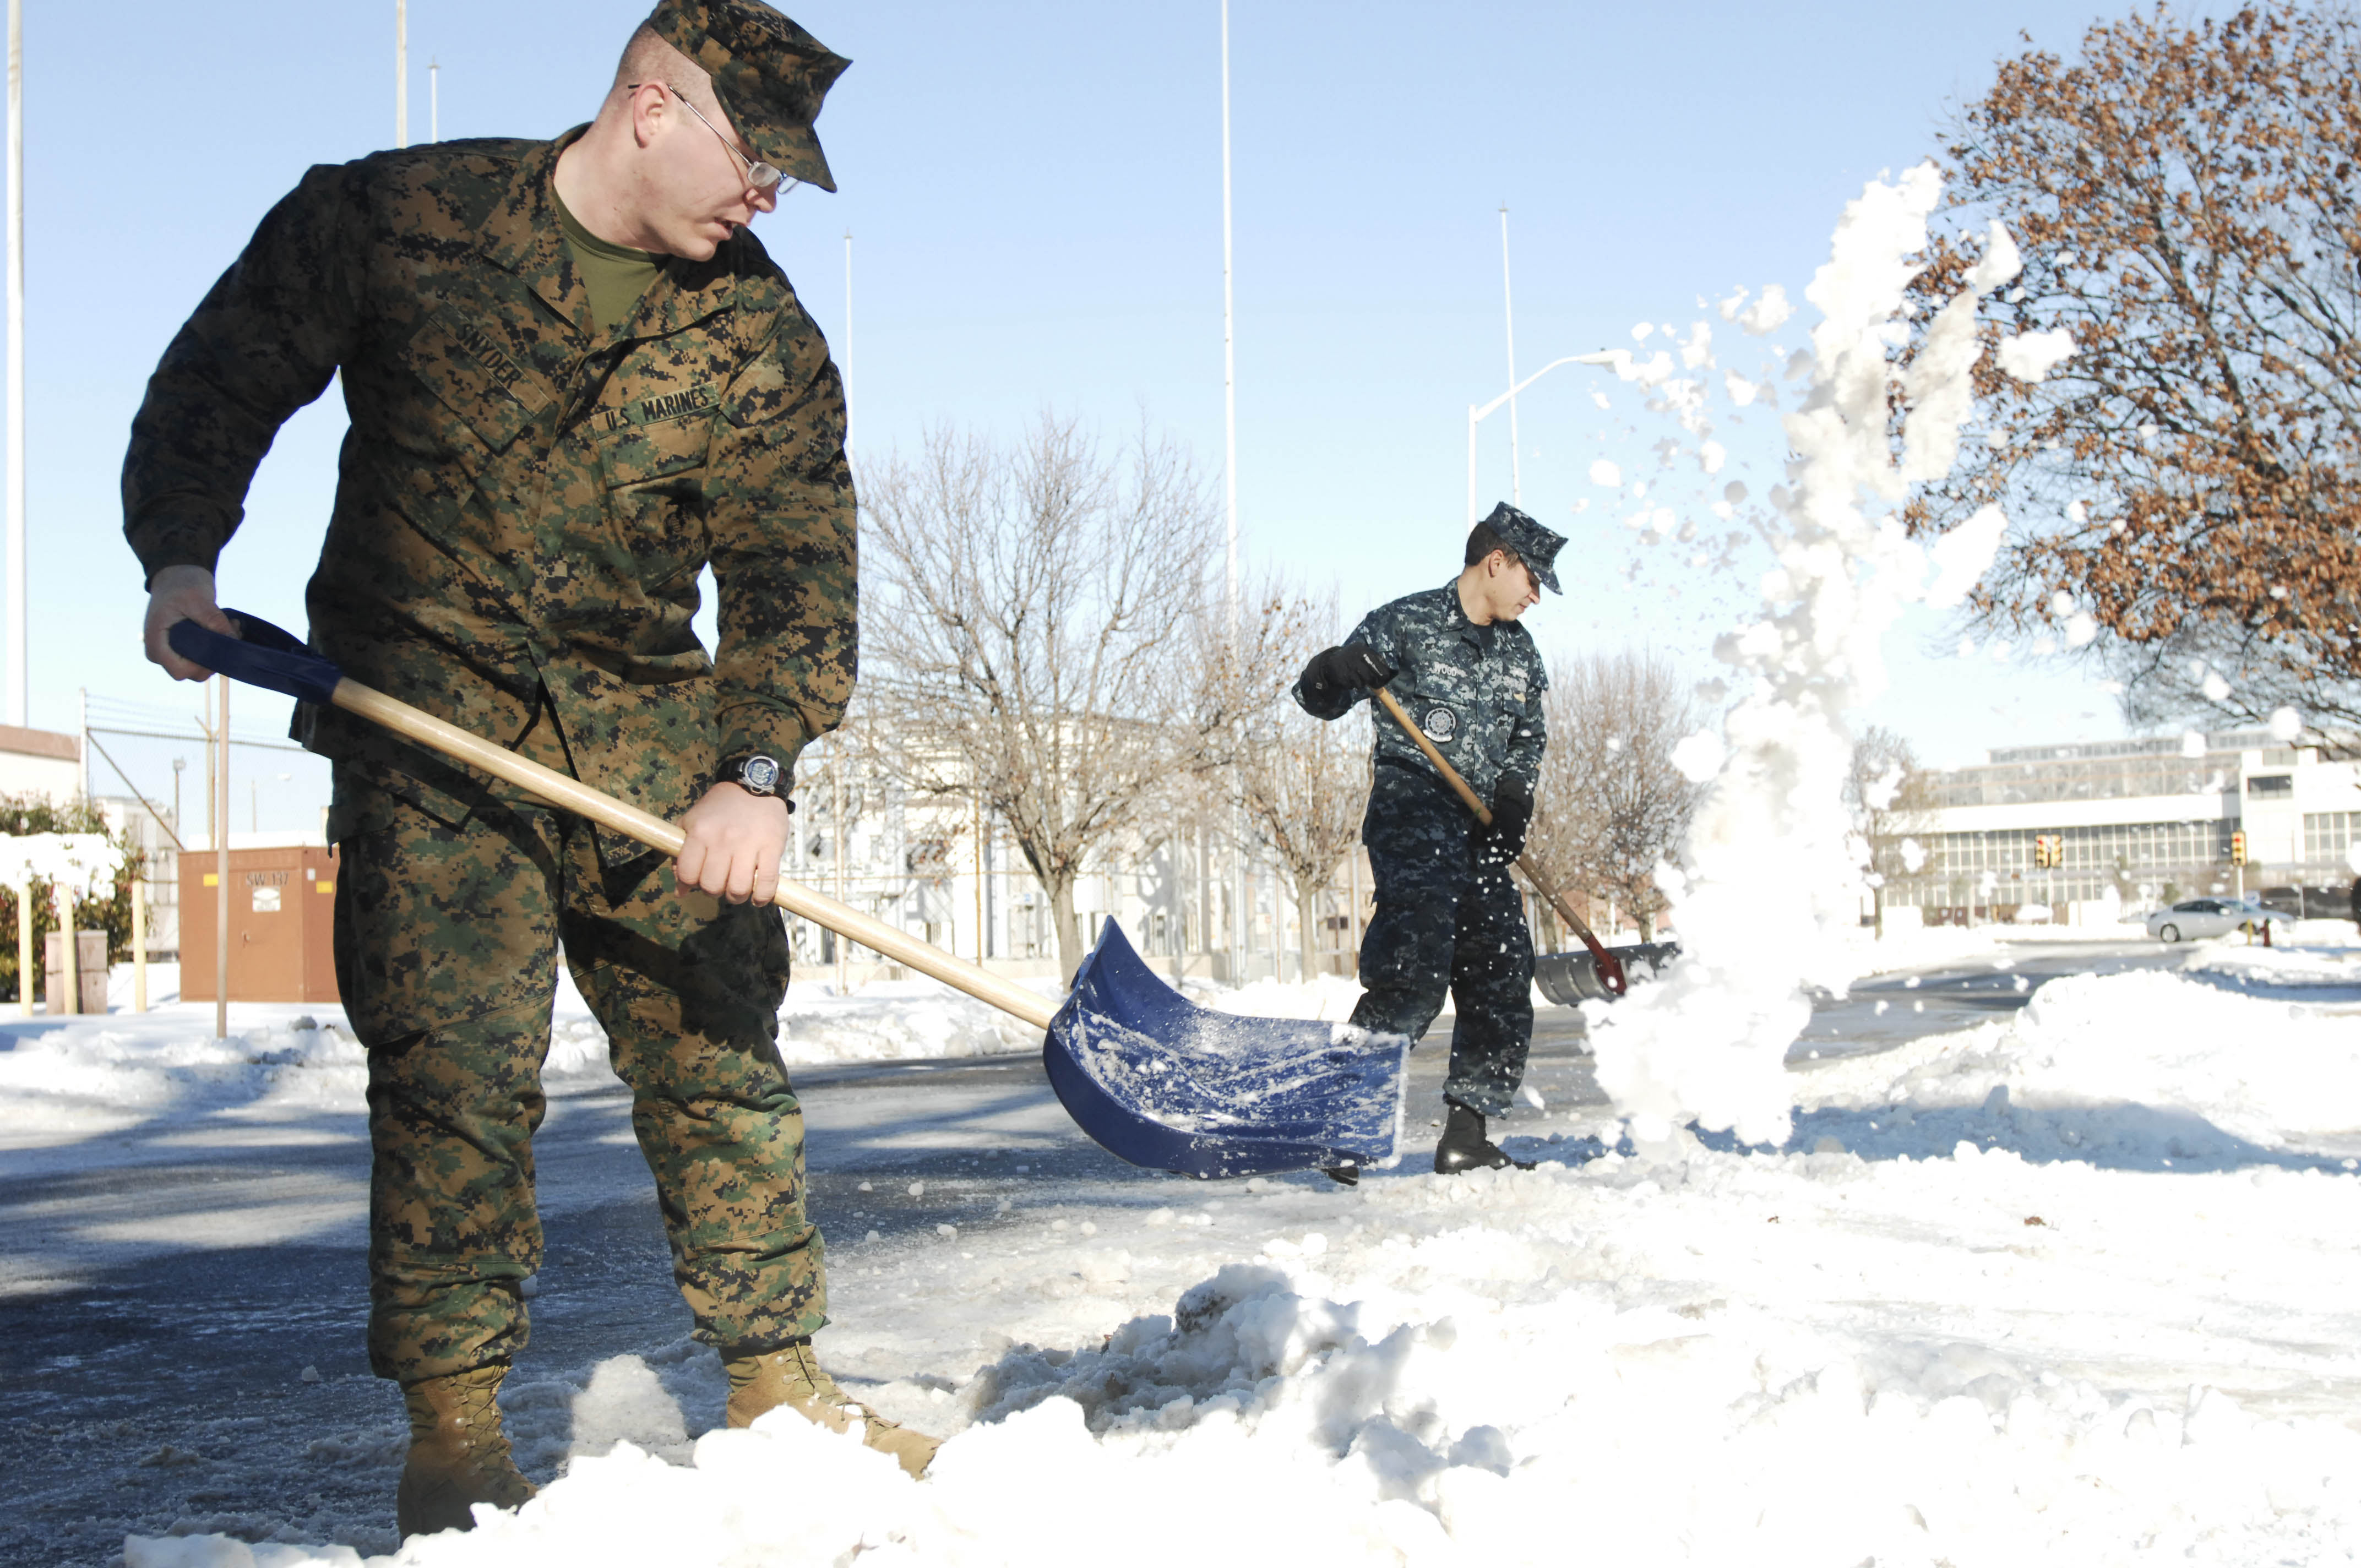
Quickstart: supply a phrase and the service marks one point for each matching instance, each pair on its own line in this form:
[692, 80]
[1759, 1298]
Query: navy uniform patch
[1440, 724]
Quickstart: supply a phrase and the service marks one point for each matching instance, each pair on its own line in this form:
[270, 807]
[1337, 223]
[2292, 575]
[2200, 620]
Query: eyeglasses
[760, 176]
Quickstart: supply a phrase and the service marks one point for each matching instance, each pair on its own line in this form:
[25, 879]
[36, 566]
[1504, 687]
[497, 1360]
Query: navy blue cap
[1534, 544]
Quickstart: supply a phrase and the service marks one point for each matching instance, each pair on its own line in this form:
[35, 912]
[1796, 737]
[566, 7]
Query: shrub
[111, 911]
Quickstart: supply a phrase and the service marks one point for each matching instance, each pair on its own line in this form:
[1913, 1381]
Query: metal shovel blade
[1572, 979]
[1164, 1083]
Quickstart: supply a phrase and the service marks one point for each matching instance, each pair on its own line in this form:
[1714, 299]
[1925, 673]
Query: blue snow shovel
[1154, 1079]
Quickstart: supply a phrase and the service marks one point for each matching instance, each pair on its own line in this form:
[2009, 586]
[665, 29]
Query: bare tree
[1892, 799]
[1304, 783]
[1612, 805]
[2184, 485]
[1030, 638]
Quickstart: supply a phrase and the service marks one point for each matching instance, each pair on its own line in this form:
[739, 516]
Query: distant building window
[2327, 833]
[2271, 784]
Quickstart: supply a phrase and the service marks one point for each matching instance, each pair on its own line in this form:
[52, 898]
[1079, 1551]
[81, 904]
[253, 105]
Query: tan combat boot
[459, 1456]
[792, 1376]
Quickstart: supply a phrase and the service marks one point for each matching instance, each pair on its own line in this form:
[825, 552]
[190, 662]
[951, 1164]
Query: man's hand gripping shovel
[1610, 968]
[1154, 1078]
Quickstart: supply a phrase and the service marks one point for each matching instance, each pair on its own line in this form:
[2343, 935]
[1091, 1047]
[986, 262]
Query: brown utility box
[89, 962]
[282, 925]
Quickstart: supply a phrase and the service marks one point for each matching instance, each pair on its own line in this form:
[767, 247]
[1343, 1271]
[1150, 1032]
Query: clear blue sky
[1034, 192]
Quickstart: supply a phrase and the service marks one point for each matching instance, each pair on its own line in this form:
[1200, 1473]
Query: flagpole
[19, 599]
[1238, 892]
[1509, 318]
[402, 72]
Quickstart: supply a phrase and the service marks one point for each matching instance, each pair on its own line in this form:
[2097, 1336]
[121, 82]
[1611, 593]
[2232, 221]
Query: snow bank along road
[2041, 1283]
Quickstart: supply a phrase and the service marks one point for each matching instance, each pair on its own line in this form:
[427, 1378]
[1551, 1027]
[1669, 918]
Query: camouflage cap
[1534, 544]
[768, 73]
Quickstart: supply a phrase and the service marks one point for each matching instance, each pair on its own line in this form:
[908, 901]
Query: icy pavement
[2044, 1288]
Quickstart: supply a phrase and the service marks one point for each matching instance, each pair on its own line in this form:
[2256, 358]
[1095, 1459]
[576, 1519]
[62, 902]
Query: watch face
[761, 775]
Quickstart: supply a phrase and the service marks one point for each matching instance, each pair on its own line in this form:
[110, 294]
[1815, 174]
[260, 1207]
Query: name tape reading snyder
[487, 352]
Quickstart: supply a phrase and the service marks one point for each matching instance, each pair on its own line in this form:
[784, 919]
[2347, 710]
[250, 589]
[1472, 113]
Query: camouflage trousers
[1444, 923]
[447, 950]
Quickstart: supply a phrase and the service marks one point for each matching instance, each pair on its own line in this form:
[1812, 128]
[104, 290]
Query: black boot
[1465, 1147]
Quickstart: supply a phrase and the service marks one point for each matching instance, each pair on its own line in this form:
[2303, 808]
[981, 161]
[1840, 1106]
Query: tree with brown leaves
[2182, 487]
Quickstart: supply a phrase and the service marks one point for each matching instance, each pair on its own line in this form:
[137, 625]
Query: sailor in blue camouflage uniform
[1447, 916]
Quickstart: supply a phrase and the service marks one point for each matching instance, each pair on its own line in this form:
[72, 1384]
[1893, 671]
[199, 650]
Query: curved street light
[1614, 356]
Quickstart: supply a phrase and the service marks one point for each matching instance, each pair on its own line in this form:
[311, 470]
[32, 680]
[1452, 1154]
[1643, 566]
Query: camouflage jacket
[1475, 690]
[524, 501]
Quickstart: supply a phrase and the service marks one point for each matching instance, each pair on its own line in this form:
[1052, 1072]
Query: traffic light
[2238, 847]
[2048, 851]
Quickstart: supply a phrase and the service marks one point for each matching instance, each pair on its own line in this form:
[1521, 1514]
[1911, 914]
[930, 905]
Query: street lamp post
[1476, 416]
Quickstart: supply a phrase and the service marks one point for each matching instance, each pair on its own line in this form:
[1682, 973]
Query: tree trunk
[1072, 948]
[1877, 909]
[1307, 899]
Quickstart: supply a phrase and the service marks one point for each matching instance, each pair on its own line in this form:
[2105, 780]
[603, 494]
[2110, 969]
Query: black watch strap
[751, 771]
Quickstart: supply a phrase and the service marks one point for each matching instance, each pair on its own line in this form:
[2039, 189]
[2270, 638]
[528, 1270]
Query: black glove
[1355, 667]
[1512, 816]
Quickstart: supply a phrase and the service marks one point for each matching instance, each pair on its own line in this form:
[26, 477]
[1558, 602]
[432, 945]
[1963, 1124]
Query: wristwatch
[754, 773]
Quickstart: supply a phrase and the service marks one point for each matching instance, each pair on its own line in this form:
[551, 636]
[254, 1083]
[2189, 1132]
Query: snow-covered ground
[2069, 1288]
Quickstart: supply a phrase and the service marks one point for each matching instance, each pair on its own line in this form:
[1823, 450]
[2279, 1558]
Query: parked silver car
[2194, 918]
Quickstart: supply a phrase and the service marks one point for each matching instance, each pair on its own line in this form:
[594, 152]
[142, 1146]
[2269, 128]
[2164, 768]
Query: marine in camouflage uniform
[526, 498]
[1448, 918]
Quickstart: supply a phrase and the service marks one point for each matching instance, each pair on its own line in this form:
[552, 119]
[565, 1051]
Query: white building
[37, 762]
[943, 872]
[2138, 823]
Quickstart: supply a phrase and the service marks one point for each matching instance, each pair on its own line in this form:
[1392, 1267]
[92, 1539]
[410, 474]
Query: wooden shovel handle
[573, 795]
[1610, 968]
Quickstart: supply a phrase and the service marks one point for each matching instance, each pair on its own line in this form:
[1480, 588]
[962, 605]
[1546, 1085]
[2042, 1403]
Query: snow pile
[1770, 882]
[2145, 1067]
[2321, 931]
[1328, 997]
[896, 1020]
[2292, 964]
[906, 1020]
[2000, 1312]
[1778, 1359]
[108, 1074]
